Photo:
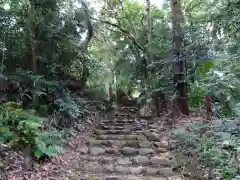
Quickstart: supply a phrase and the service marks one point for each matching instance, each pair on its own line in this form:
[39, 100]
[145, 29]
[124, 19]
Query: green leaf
[38, 154]
[51, 151]
[156, 13]
[205, 67]
[4, 129]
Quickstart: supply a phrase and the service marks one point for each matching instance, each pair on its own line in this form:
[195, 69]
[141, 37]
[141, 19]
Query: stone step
[121, 122]
[137, 160]
[124, 115]
[117, 124]
[129, 108]
[118, 121]
[159, 147]
[120, 143]
[121, 137]
[132, 127]
[119, 132]
[109, 176]
[125, 151]
[96, 167]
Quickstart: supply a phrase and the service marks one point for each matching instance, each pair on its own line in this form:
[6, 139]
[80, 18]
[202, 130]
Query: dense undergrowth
[213, 145]
[39, 114]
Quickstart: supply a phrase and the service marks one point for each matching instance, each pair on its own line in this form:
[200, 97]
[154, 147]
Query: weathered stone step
[96, 167]
[120, 143]
[159, 147]
[128, 135]
[136, 160]
[132, 127]
[109, 176]
[123, 115]
[113, 123]
[129, 108]
[118, 121]
[120, 132]
[121, 137]
[125, 151]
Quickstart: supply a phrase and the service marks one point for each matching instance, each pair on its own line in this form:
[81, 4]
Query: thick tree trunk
[32, 38]
[179, 63]
[208, 104]
[33, 53]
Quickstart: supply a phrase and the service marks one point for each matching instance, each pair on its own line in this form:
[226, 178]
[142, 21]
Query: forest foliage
[55, 53]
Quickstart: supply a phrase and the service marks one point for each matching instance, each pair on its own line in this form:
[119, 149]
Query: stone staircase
[130, 148]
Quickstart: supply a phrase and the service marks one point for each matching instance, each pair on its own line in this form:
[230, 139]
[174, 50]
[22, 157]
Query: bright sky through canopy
[158, 3]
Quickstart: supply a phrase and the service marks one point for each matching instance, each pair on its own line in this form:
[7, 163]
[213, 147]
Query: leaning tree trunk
[179, 63]
[85, 44]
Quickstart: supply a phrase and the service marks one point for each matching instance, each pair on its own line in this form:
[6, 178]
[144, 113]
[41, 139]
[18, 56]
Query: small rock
[93, 167]
[130, 143]
[151, 171]
[142, 160]
[146, 133]
[166, 172]
[129, 151]
[124, 161]
[121, 169]
[152, 126]
[100, 132]
[167, 155]
[157, 144]
[163, 161]
[130, 137]
[112, 178]
[161, 150]
[145, 151]
[141, 138]
[137, 170]
[112, 150]
[83, 150]
[109, 168]
[119, 137]
[107, 143]
[177, 177]
[1, 164]
[103, 137]
[151, 136]
[138, 127]
[126, 131]
[165, 144]
[96, 151]
[145, 144]
[132, 177]
[95, 142]
[104, 160]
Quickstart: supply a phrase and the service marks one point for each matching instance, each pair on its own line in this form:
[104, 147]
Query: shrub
[218, 148]
[24, 130]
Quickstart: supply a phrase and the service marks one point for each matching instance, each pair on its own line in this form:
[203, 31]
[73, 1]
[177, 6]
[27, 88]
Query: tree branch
[124, 31]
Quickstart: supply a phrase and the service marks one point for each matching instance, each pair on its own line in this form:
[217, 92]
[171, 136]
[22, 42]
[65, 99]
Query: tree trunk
[32, 38]
[179, 63]
[149, 36]
[85, 44]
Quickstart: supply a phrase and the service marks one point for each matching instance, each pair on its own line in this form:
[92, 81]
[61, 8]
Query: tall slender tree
[179, 62]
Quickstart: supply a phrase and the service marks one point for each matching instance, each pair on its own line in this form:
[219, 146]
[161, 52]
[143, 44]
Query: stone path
[130, 148]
